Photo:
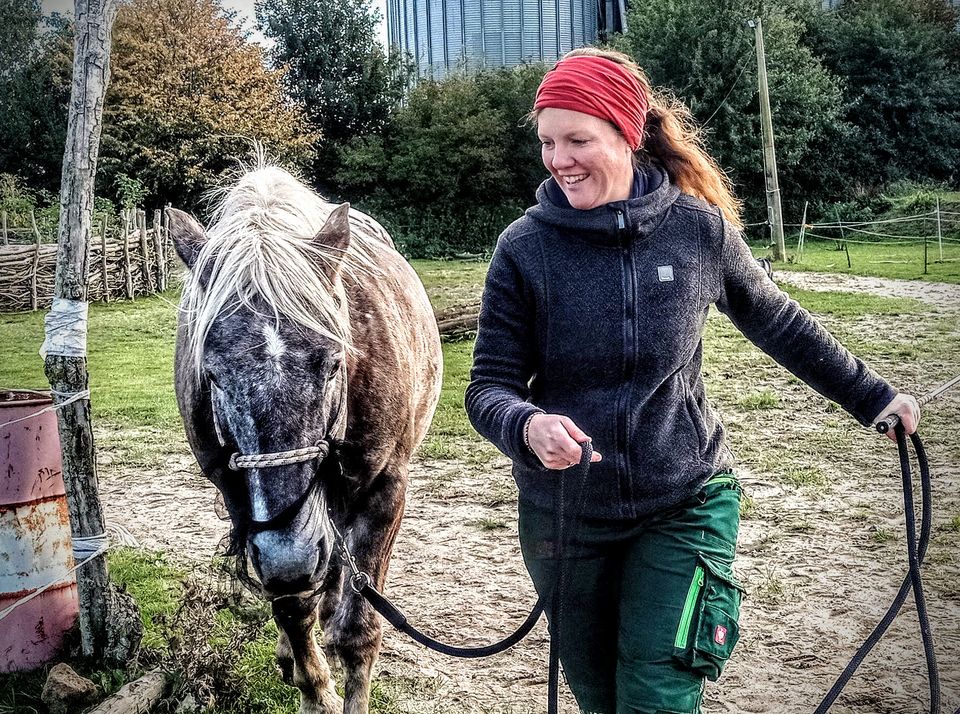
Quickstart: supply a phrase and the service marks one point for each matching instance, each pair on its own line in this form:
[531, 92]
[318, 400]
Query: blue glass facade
[445, 35]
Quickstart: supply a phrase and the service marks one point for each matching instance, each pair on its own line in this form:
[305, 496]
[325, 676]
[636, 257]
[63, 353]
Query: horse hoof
[329, 703]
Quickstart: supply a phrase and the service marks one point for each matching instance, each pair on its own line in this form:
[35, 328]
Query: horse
[302, 330]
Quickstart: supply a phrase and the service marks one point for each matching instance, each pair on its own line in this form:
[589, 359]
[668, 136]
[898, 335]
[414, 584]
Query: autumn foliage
[188, 94]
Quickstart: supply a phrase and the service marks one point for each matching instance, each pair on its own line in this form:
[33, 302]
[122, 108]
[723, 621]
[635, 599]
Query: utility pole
[774, 212]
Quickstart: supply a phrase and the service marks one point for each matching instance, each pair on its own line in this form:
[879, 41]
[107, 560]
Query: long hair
[672, 139]
[261, 246]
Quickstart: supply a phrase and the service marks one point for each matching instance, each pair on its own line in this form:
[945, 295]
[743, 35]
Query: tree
[703, 52]
[454, 165]
[900, 60]
[189, 93]
[335, 68]
[110, 625]
[34, 92]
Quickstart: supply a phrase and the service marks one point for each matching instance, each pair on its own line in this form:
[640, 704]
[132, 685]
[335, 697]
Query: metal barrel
[35, 543]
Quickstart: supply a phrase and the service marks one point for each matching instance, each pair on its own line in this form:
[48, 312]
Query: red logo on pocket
[720, 634]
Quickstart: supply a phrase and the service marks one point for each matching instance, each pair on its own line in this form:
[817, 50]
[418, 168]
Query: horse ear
[188, 236]
[335, 233]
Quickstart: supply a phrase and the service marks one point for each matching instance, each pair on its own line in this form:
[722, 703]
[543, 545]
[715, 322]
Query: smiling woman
[591, 330]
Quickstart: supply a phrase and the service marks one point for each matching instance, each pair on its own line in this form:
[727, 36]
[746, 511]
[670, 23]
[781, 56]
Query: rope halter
[240, 461]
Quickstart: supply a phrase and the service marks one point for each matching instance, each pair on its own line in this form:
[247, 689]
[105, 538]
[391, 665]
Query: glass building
[445, 35]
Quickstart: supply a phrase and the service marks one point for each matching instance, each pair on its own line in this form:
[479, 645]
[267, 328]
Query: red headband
[599, 87]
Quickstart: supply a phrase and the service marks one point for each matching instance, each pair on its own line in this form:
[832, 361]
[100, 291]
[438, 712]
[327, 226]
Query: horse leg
[296, 618]
[329, 602]
[354, 631]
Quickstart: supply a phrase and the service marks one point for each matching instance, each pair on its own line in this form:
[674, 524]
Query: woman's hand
[907, 409]
[555, 439]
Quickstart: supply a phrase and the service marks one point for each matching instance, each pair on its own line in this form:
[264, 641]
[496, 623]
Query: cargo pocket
[708, 629]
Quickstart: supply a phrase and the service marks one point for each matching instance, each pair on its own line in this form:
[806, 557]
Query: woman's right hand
[555, 440]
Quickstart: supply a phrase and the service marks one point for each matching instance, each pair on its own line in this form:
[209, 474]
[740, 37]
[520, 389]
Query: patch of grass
[451, 282]
[153, 582]
[765, 399]
[805, 476]
[748, 507]
[772, 588]
[490, 524]
[130, 359]
[954, 524]
[881, 534]
[847, 304]
[881, 260]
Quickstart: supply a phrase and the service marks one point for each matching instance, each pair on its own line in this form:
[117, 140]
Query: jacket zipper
[629, 286]
[686, 617]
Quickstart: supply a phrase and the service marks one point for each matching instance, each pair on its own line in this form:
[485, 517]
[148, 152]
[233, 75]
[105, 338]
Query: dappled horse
[302, 331]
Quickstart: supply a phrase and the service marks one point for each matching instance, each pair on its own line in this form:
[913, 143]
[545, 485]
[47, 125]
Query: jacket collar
[600, 225]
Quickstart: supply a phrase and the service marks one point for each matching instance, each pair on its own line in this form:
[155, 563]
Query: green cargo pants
[650, 606]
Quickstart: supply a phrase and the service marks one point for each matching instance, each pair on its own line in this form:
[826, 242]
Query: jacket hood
[601, 225]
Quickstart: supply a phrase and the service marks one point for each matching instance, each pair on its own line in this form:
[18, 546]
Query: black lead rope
[362, 584]
[916, 550]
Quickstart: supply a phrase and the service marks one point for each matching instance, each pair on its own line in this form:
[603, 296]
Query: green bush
[455, 164]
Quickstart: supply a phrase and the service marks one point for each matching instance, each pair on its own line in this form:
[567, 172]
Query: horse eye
[333, 369]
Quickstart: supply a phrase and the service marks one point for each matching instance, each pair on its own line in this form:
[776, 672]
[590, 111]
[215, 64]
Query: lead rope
[361, 584]
[916, 550]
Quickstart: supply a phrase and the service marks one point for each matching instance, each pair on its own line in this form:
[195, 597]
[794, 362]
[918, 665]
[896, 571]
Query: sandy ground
[818, 576]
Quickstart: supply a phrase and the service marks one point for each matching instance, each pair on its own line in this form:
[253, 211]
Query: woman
[590, 329]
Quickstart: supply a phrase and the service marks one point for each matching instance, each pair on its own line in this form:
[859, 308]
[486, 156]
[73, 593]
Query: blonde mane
[260, 249]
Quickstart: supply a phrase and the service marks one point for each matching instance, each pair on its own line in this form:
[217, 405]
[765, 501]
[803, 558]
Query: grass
[805, 476]
[881, 534]
[903, 262]
[766, 399]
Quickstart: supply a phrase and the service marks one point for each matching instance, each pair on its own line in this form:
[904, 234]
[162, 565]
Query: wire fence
[932, 232]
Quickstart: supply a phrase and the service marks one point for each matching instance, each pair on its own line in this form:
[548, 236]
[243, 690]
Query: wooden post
[846, 250]
[803, 228]
[166, 241]
[158, 253]
[924, 253]
[774, 211]
[144, 252]
[85, 271]
[939, 230]
[34, 269]
[127, 266]
[67, 373]
[103, 260]
[6, 241]
[33, 222]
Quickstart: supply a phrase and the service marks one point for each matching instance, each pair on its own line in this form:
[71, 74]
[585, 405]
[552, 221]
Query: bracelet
[526, 433]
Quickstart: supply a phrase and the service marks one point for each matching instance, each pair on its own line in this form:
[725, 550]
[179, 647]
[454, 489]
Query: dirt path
[821, 564]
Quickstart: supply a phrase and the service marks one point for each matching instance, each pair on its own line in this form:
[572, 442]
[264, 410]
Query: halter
[321, 450]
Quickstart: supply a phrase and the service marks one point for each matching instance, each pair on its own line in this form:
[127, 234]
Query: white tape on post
[65, 329]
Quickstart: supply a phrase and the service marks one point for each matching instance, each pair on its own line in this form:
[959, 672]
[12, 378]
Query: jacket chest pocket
[708, 629]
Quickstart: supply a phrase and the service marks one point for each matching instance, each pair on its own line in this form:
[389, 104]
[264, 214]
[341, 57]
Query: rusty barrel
[35, 543]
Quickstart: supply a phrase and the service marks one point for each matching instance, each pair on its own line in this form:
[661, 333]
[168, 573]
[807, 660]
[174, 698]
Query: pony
[302, 331]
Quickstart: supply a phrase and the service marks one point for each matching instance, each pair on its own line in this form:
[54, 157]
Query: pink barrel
[35, 544]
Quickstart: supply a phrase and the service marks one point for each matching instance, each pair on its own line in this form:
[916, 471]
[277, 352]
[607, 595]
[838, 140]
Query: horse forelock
[261, 253]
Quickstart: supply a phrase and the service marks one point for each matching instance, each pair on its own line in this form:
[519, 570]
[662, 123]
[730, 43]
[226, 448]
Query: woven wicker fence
[133, 262]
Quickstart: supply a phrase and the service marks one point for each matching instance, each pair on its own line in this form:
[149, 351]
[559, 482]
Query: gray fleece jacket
[599, 315]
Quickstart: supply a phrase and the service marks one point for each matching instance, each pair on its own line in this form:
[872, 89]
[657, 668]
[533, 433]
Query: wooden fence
[135, 261]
